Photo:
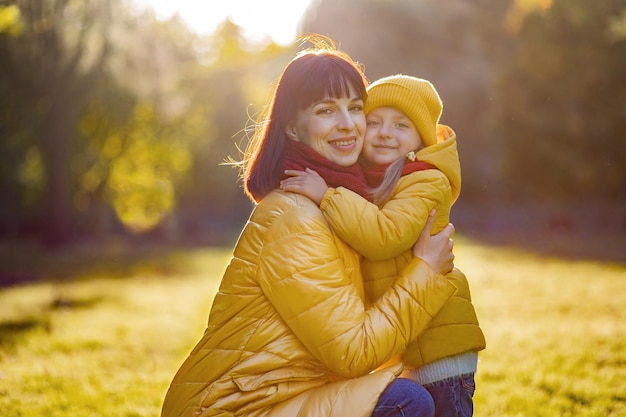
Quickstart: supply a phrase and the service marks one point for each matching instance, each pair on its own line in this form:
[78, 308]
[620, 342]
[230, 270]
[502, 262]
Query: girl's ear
[290, 130]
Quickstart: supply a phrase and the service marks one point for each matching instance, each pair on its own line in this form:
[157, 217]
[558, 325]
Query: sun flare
[273, 19]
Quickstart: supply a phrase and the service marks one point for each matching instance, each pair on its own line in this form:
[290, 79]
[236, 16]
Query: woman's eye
[325, 110]
[356, 108]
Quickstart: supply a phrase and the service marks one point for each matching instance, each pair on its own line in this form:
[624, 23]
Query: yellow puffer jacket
[289, 333]
[385, 236]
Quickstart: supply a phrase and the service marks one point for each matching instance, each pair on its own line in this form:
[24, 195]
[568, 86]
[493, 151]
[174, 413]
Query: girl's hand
[307, 182]
[436, 250]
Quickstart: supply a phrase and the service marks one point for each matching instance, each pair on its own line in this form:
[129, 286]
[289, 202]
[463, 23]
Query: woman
[288, 333]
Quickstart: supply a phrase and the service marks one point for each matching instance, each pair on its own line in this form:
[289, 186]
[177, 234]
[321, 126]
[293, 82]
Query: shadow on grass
[11, 332]
[66, 303]
[13, 329]
[586, 231]
[602, 248]
[23, 263]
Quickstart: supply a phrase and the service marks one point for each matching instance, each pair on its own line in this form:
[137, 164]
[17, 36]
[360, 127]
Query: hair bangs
[329, 78]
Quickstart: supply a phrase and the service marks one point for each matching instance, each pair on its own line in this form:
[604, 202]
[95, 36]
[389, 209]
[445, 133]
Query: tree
[101, 125]
[231, 87]
[562, 94]
[49, 68]
[533, 88]
[140, 126]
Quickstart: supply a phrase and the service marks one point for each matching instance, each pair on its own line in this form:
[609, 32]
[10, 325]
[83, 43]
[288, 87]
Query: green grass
[556, 334]
[101, 333]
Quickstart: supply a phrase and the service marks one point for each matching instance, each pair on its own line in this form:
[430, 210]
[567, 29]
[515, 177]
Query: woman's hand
[436, 250]
[308, 183]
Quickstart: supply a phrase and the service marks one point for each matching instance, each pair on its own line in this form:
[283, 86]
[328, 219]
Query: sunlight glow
[275, 19]
[522, 8]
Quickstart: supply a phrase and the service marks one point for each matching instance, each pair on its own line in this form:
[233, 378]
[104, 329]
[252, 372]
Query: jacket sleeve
[388, 231]
[303, 275]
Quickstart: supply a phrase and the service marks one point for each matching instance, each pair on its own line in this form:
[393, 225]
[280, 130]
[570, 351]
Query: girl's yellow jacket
[385, 235]
[289, 333]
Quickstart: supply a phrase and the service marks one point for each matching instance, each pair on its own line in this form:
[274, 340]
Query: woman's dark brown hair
[314, 73]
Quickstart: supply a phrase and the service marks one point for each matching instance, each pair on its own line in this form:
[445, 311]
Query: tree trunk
[57, 142]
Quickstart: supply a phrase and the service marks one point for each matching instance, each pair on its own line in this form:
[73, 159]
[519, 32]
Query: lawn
[102, 332]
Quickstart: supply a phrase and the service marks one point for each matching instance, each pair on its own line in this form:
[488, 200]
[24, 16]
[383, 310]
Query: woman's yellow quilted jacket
[289, 333]
[385, 235]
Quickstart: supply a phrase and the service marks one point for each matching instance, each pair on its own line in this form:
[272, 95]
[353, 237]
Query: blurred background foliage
[116, 124]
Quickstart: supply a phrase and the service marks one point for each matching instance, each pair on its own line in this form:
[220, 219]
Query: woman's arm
[310, 278]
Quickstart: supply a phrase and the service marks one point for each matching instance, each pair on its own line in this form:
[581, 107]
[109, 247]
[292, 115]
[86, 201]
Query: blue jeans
[453, 396]
[404, 398]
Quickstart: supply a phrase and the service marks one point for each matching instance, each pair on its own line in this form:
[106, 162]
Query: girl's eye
[372, 122]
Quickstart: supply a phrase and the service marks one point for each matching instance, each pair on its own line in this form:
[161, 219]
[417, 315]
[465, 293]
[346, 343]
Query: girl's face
[390, 135]
[334, 127]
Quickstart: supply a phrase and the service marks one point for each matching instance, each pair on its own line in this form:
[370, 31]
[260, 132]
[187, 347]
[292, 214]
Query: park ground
[101, 330]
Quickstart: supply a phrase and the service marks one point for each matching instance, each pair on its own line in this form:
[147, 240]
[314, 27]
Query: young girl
[411, 163]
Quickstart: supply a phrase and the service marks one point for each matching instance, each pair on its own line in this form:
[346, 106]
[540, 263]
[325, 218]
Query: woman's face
[334, 127]
[390, 135]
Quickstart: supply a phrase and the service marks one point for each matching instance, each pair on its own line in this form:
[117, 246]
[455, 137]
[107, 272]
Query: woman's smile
[344, 143]
[334, 127]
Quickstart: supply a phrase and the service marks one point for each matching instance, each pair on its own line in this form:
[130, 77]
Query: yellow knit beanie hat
[415, 97]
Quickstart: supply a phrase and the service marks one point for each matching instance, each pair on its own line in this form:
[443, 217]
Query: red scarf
[374, 173]
[299, 156]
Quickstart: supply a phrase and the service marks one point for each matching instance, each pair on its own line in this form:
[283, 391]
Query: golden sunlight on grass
[556, 334]
[109, 345]
[106, 346]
